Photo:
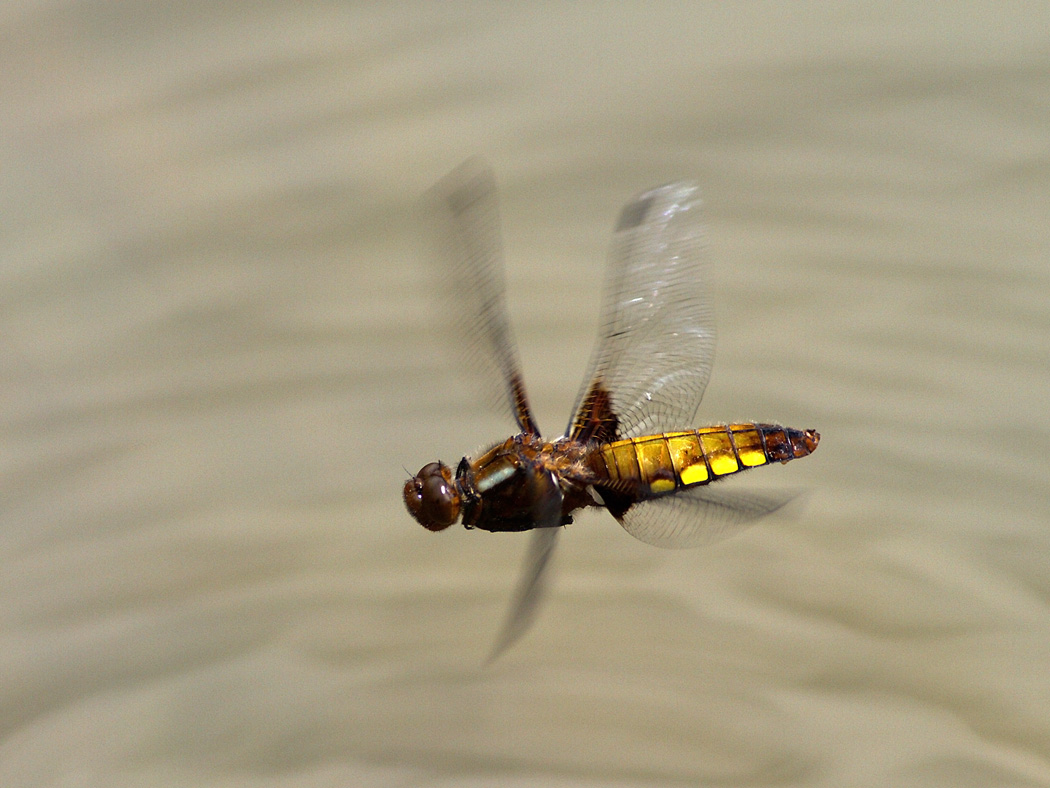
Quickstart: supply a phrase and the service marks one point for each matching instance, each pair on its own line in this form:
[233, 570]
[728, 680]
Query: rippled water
[220, 352]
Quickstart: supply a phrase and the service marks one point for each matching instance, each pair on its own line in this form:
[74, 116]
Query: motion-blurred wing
[657, 337]
[700, 515]
[533, 582]
[465, 211]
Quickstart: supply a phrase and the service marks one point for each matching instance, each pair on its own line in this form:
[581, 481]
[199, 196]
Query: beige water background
[219, 354]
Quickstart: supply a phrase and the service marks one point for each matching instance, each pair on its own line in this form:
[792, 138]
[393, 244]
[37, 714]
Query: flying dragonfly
[629, 447]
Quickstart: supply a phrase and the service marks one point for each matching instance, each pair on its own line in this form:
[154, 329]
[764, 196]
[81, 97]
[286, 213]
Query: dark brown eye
[432, 498]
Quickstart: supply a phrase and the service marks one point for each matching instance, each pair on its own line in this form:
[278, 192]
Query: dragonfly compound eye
[432, 498]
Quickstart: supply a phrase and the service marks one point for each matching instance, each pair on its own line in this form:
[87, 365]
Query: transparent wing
[657, 337]
[533, 582]
[464, 210]
[701, 515]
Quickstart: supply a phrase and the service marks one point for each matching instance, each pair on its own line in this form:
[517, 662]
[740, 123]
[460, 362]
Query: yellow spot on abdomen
[687, 457]
[749, 446]
[723, 464]
[694, 474]
[662, 485]
[719, 452]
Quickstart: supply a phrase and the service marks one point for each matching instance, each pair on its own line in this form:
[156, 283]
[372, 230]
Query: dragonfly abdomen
[671, 461]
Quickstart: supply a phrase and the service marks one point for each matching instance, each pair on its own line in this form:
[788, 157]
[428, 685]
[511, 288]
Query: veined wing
[700, 515]
[656, 344]
[465, 209]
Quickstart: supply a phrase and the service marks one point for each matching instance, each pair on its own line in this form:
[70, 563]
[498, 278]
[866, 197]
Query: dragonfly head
[432, 497]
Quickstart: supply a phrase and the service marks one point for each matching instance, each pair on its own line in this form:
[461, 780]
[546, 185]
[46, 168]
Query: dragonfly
[629, 447]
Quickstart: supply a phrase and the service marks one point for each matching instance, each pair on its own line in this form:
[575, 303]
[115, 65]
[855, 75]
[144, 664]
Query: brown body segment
[672, 461]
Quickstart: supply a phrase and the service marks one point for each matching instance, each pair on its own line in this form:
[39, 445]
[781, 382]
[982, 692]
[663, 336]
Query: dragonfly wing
[656, 343]
[700, 515]
[464, 209]
[533, 582]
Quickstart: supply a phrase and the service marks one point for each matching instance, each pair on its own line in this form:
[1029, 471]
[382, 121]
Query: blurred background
[221, 357]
